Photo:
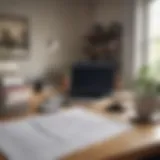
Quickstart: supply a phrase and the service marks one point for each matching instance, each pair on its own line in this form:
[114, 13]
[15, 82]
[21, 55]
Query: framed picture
[14, 37]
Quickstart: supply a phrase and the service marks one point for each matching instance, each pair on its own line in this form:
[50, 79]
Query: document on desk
[53, 136]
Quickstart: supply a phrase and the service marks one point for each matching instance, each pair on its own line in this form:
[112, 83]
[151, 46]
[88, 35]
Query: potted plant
[147, 89]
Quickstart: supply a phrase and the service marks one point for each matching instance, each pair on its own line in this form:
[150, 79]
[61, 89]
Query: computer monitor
[92, 80]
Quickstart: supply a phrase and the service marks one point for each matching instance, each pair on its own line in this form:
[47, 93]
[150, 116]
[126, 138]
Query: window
[154, 32]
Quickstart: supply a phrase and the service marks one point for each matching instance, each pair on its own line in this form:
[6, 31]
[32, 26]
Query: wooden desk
[138, 143]
[142, 140]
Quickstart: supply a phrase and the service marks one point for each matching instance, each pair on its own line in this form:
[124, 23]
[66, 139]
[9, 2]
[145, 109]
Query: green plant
[147, 82]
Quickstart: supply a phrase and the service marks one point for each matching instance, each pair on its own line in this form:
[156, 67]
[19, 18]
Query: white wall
[64, 21]
[122, 11]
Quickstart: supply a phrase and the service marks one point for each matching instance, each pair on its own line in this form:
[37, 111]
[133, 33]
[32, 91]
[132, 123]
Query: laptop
[90, 81]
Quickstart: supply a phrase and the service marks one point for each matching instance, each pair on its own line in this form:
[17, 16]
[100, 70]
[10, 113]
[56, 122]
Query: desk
[142, 140]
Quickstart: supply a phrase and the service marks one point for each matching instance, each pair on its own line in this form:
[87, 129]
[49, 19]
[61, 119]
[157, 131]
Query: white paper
[54, 136]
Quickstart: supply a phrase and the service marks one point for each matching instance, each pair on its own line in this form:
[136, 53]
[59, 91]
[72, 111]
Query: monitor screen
[92, 80]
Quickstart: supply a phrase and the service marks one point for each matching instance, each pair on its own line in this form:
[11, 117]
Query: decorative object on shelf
[147, 92]
[38, 86]
[104, 42]
[14, 37]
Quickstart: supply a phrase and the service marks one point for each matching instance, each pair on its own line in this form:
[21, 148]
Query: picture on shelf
[14, 36]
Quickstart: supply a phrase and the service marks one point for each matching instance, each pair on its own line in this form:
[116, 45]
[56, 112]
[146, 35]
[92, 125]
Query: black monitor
[92, 80]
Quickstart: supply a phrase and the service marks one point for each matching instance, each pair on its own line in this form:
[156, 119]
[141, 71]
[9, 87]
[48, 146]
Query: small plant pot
[145, 107]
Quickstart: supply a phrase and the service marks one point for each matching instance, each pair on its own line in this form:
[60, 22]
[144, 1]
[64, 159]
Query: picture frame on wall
[14, 36]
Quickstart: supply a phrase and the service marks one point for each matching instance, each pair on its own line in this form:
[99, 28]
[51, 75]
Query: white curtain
[143, 26]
